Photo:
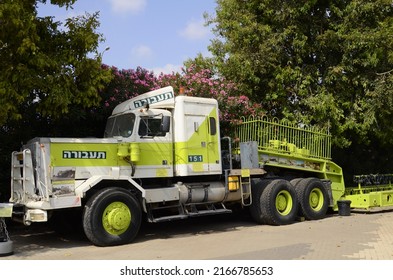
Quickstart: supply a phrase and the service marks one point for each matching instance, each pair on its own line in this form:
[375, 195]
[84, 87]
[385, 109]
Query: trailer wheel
[112, 217]
[313, 198]
[279, 203]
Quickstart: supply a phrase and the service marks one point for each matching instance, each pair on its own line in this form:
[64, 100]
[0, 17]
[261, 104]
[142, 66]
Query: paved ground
[236, 236]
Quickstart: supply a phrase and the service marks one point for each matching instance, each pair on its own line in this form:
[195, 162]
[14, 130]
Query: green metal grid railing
[285, 137]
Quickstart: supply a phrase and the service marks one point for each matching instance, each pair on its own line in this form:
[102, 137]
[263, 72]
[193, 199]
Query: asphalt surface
[360, 236]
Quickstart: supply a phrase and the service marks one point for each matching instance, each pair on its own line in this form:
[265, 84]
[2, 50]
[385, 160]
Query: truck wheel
[279, 203]
[112, 217]
[257, 187]
[313, 198]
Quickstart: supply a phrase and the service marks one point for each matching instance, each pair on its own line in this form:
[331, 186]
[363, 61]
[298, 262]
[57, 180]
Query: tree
[47, 65]
[326, 62]
[50, 76]
[126, 84]
[199, 79]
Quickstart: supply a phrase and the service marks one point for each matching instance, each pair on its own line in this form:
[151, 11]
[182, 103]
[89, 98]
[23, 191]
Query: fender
[82, 189]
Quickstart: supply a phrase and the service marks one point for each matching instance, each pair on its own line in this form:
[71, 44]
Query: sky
[158, 35]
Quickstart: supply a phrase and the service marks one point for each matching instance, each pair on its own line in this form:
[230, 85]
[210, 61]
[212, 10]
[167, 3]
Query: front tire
[112, 216]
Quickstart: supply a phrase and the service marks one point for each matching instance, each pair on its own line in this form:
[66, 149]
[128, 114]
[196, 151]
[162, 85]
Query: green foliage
[50, 77]
[46, 63]
[312, 61]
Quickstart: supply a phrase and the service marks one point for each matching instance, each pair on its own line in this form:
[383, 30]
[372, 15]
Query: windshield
[121, 125]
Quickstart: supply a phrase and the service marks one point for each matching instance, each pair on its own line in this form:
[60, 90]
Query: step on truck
[162, 158]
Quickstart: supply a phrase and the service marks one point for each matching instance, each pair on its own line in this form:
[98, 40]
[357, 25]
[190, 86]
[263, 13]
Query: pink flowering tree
[201, 82]
[126, 84]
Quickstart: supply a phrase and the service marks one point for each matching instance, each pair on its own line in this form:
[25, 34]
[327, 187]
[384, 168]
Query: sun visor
[160, 98]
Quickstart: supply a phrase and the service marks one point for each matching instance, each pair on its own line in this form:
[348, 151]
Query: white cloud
[142, 52]
[124, 6]
[195, 30]
[167, 69]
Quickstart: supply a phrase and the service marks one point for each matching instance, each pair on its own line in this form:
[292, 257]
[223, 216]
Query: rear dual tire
[279, 202]
[274, 202]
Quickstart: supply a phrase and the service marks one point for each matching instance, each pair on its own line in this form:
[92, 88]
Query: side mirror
[165, 124]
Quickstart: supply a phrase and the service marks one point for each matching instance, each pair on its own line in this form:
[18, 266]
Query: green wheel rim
[284, 203]
[316, 199]
[116, 218]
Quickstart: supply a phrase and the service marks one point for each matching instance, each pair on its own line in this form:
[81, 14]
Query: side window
[150, 127]
[212, 126]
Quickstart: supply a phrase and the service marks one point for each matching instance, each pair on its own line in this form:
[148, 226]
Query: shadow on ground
[45, 237]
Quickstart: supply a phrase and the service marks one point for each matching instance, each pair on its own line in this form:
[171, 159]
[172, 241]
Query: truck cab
[171, 136]
[159, 150]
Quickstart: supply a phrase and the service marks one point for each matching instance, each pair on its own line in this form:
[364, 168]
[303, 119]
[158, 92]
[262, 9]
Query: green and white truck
[162, 158]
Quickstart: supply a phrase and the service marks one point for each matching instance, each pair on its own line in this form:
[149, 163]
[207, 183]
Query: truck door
[203, 149]
[156, 148]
